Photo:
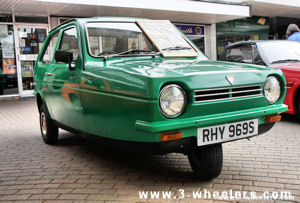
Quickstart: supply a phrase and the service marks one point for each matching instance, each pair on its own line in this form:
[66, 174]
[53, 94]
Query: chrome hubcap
[43, 123]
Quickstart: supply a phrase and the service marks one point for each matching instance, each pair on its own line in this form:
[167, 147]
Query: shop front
[21, 39]
[253, 28]
[8, 70]
[24, 25]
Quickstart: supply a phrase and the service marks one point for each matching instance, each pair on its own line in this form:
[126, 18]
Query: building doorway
[29, 40]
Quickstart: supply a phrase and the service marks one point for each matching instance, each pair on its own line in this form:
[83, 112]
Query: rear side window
[69, 42]
[240, 54]
[49, 49]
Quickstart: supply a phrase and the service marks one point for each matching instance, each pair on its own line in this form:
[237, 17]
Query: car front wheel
[207, 161]
[48, 128]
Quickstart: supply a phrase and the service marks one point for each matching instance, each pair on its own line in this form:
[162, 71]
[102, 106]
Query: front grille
[227, 93]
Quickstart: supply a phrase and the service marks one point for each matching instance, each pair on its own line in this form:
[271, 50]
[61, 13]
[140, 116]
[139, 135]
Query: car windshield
[280, 52]
[123, 39]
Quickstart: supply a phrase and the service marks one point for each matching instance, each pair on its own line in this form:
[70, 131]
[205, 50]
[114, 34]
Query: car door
[65, 102]
[42, 77]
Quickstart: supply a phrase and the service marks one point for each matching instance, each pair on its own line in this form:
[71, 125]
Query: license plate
[227, 132]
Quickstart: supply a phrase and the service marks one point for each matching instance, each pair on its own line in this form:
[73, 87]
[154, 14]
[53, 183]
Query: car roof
[100, 19]
[257, 42]
[110, 19]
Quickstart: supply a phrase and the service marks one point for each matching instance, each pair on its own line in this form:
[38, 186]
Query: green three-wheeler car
[141, 85]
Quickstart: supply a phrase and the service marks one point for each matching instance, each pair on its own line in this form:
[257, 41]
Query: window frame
[68, 27]
[103, 57]
[87, 42]
[49, 38]
[255, 48]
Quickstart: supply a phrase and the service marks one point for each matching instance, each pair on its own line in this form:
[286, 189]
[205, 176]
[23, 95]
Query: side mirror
[64, 57]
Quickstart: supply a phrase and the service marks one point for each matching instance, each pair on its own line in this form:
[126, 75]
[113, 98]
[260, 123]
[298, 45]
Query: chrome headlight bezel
[277, 88]
[161, 95]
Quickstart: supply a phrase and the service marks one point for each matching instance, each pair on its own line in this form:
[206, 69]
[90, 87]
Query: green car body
[118, 98]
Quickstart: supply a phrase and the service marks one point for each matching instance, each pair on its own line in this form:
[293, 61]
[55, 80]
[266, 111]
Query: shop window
[8, 70]
[47, 56]
[29, 19]
[31, 39]
[62, 20]
[7, 18]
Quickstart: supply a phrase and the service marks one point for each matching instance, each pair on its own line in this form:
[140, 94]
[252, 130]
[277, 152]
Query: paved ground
[76, 169]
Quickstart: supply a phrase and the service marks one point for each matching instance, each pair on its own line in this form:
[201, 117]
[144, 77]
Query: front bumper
[184, 145]
[216, 119]
[188, 127]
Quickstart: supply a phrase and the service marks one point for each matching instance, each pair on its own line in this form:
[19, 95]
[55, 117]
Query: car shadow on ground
[290, 118]
[165, 168]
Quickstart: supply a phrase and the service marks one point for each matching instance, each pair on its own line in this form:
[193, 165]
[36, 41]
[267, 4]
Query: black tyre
[48, 128]
[1, 90]
[263, 128]
[207, 161]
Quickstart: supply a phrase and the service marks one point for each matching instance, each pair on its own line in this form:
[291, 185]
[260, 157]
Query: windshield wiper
[286, 60]
[176, 48]
[151, 52]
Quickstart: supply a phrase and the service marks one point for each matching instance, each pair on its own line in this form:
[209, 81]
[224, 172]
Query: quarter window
[240, 54]
[49, 49]
[69, 42]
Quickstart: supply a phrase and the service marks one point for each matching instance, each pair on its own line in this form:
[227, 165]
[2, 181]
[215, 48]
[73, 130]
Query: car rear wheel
[48, 128]
[1, 90]
[207, 161]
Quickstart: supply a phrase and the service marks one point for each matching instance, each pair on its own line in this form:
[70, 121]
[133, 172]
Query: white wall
[211, 41]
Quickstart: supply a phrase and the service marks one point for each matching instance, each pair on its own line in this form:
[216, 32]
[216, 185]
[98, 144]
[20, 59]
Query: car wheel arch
[297, 100]
[40, 101]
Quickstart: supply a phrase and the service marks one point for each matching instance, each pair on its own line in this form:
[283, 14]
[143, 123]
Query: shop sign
[191, 29]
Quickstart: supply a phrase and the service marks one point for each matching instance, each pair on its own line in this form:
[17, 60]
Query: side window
[69, 42]
[49, 49]
[240, 54]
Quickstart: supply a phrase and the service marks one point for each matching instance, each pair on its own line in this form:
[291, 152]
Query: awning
[174, 10]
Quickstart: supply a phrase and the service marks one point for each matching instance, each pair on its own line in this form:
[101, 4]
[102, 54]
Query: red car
[282, 54]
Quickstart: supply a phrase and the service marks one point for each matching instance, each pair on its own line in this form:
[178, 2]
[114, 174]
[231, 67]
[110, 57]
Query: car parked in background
[142, 85]
[281, 54]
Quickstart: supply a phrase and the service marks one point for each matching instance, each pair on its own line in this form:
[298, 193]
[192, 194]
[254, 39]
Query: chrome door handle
[48, 74]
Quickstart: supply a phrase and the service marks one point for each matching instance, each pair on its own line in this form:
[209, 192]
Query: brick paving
[78, 170]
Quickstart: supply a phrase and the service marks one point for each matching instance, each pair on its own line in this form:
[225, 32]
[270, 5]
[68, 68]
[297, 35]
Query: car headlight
[272, 89]
[172, 100]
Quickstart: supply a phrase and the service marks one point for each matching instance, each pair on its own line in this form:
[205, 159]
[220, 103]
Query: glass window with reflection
[283, 51]
[48, 53]
[112, 38]
[240, 54]
[69, 42]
